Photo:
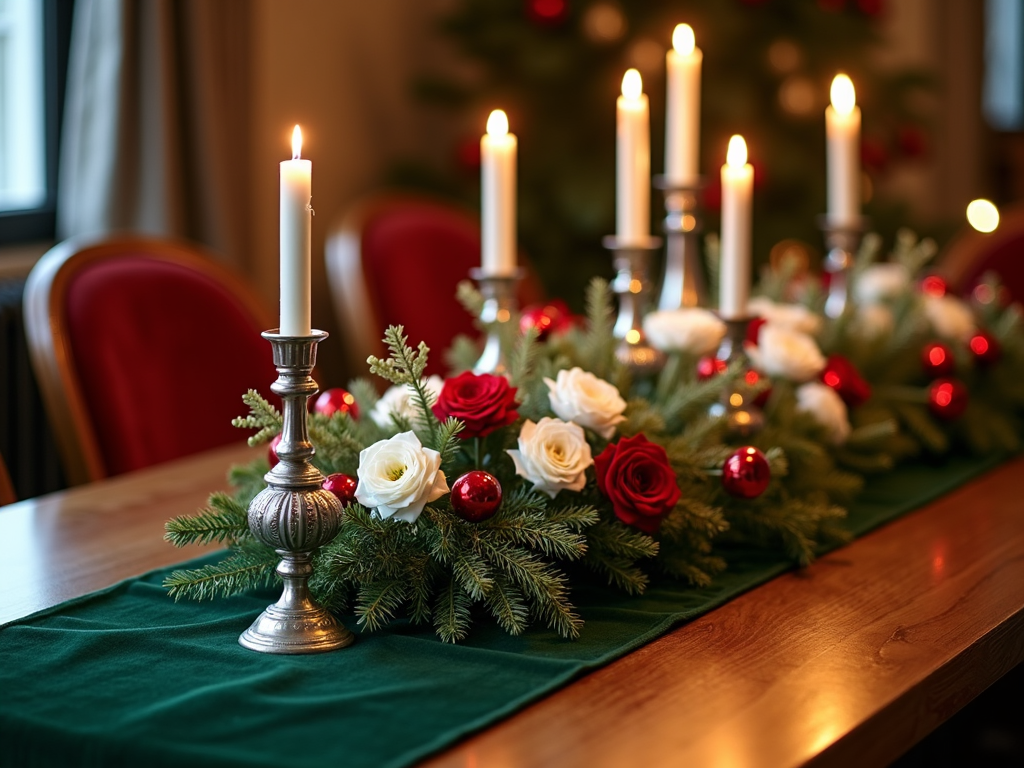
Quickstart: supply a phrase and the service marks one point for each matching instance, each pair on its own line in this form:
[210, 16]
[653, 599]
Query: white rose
[399, 399]
[398, 477]
[827, 408]
[581, 397]
[950, 317]
[695, 331]
[791, 316]
[553, 455]
[879, 282]
[786, 353]
[873, 321]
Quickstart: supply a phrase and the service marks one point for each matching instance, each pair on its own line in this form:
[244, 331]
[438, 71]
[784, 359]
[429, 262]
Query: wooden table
[847, 663]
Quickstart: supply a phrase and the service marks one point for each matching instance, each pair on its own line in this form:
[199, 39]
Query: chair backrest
[396, 259]
[7, 495]
[143, 349]
[971, 253]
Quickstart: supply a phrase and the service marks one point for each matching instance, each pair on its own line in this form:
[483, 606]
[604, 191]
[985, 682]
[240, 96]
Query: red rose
[636, 477]
[485, 403]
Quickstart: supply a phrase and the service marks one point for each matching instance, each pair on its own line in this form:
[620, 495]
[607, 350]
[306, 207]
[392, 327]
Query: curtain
[155, 134]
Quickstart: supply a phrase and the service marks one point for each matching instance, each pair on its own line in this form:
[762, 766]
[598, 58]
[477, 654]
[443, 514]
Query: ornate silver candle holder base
[842, 241]
[743, 417]
[499, 292]
[295, 515]
[633, 286]
[683, 283]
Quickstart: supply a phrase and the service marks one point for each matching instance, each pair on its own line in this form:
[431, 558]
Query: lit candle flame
[296, 143]
[983, 215]
[736, 156]
[682, 39]
[632, 85]
[844, 98]
[497, 123]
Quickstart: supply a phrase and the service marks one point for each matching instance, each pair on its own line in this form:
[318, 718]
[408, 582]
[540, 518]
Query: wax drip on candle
[736, 155]
[632, 85]
[683, 40]
[842, 94]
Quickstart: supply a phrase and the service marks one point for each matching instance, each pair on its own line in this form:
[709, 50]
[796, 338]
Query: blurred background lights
[983, 215]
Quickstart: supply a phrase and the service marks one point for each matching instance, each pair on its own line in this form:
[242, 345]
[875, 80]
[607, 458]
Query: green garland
[515, 566]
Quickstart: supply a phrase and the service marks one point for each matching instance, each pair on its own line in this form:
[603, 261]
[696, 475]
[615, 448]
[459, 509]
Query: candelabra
[632, 283]
[499, 292]
[294, 514]
[842, 241]
[683, 284]
[742, 416]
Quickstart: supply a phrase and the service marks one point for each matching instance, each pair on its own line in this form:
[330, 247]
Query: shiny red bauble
[272, 451]
[547, 13]
[553, 317]
[332, 401]
[937, 360]
[753, 378]
[842, 376]
[709, 367]
[947, 399]
[343, 486]
[746, 473]
[754, 330]
[933, 285]
[476, 496]
[985, 348]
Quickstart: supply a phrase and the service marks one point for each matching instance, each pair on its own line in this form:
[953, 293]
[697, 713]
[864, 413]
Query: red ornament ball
[343, 486]
[332, 401]
[547, 13]
[754, 330]
[476, 496]
[746, 473]
[709, 367]
[937, 359]
[272, 451]
[553, 317]
[753, 378]
[845, 379]
[947, 399]
[933, 285]
[985, 348]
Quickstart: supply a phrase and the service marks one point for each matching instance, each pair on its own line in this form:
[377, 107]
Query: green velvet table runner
[127, 677]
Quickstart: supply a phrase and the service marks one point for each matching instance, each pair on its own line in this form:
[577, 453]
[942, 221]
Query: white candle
[842, 129]
[296, 226]
[737, 189]
[682, 109]
[633, 163]
[498, 197]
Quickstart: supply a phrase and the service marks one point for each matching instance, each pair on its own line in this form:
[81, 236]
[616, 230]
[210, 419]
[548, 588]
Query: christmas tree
[555, 66]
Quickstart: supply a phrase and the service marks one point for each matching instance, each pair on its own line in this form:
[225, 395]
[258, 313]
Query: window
[34, 37]
[1003, 92]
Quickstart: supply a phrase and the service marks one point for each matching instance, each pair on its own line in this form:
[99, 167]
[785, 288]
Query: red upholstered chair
[7, 495]
[396, 260]
[143, 349]
[971, 253]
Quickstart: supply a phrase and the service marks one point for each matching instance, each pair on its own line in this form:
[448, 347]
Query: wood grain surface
[848, 663]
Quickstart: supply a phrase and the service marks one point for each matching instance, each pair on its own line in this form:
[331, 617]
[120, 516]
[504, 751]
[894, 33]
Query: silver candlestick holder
[842, 241]
[499, 309]
[295, 515]
[632, 283]
[743, 417]
[683, 284]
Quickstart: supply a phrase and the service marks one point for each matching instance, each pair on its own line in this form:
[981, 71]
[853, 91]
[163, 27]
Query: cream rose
[792, 316]
[949, 317]
[398, 477]
[786, 353]
[695, 331]
[873, 321]
[399, 399]
[579, 396]
[553, 455]
[827, 408]
[879, 282]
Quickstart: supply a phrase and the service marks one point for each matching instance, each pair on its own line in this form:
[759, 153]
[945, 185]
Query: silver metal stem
[499, 309]
[295, 515]
[743, 417]
[683, 283]
[842, 241]
[633, 285]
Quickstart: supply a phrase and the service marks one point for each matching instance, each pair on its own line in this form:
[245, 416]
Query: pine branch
[378, 602]
[262, 416]
[507, 605]
[448, 440]
[452, 613]
[225, 521]
[247, 568]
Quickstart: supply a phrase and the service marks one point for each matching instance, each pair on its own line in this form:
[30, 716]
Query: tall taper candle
[842, 129]
[682, 109]
[734, 271]
[498, 197]
[296, 226]
[633, 163]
